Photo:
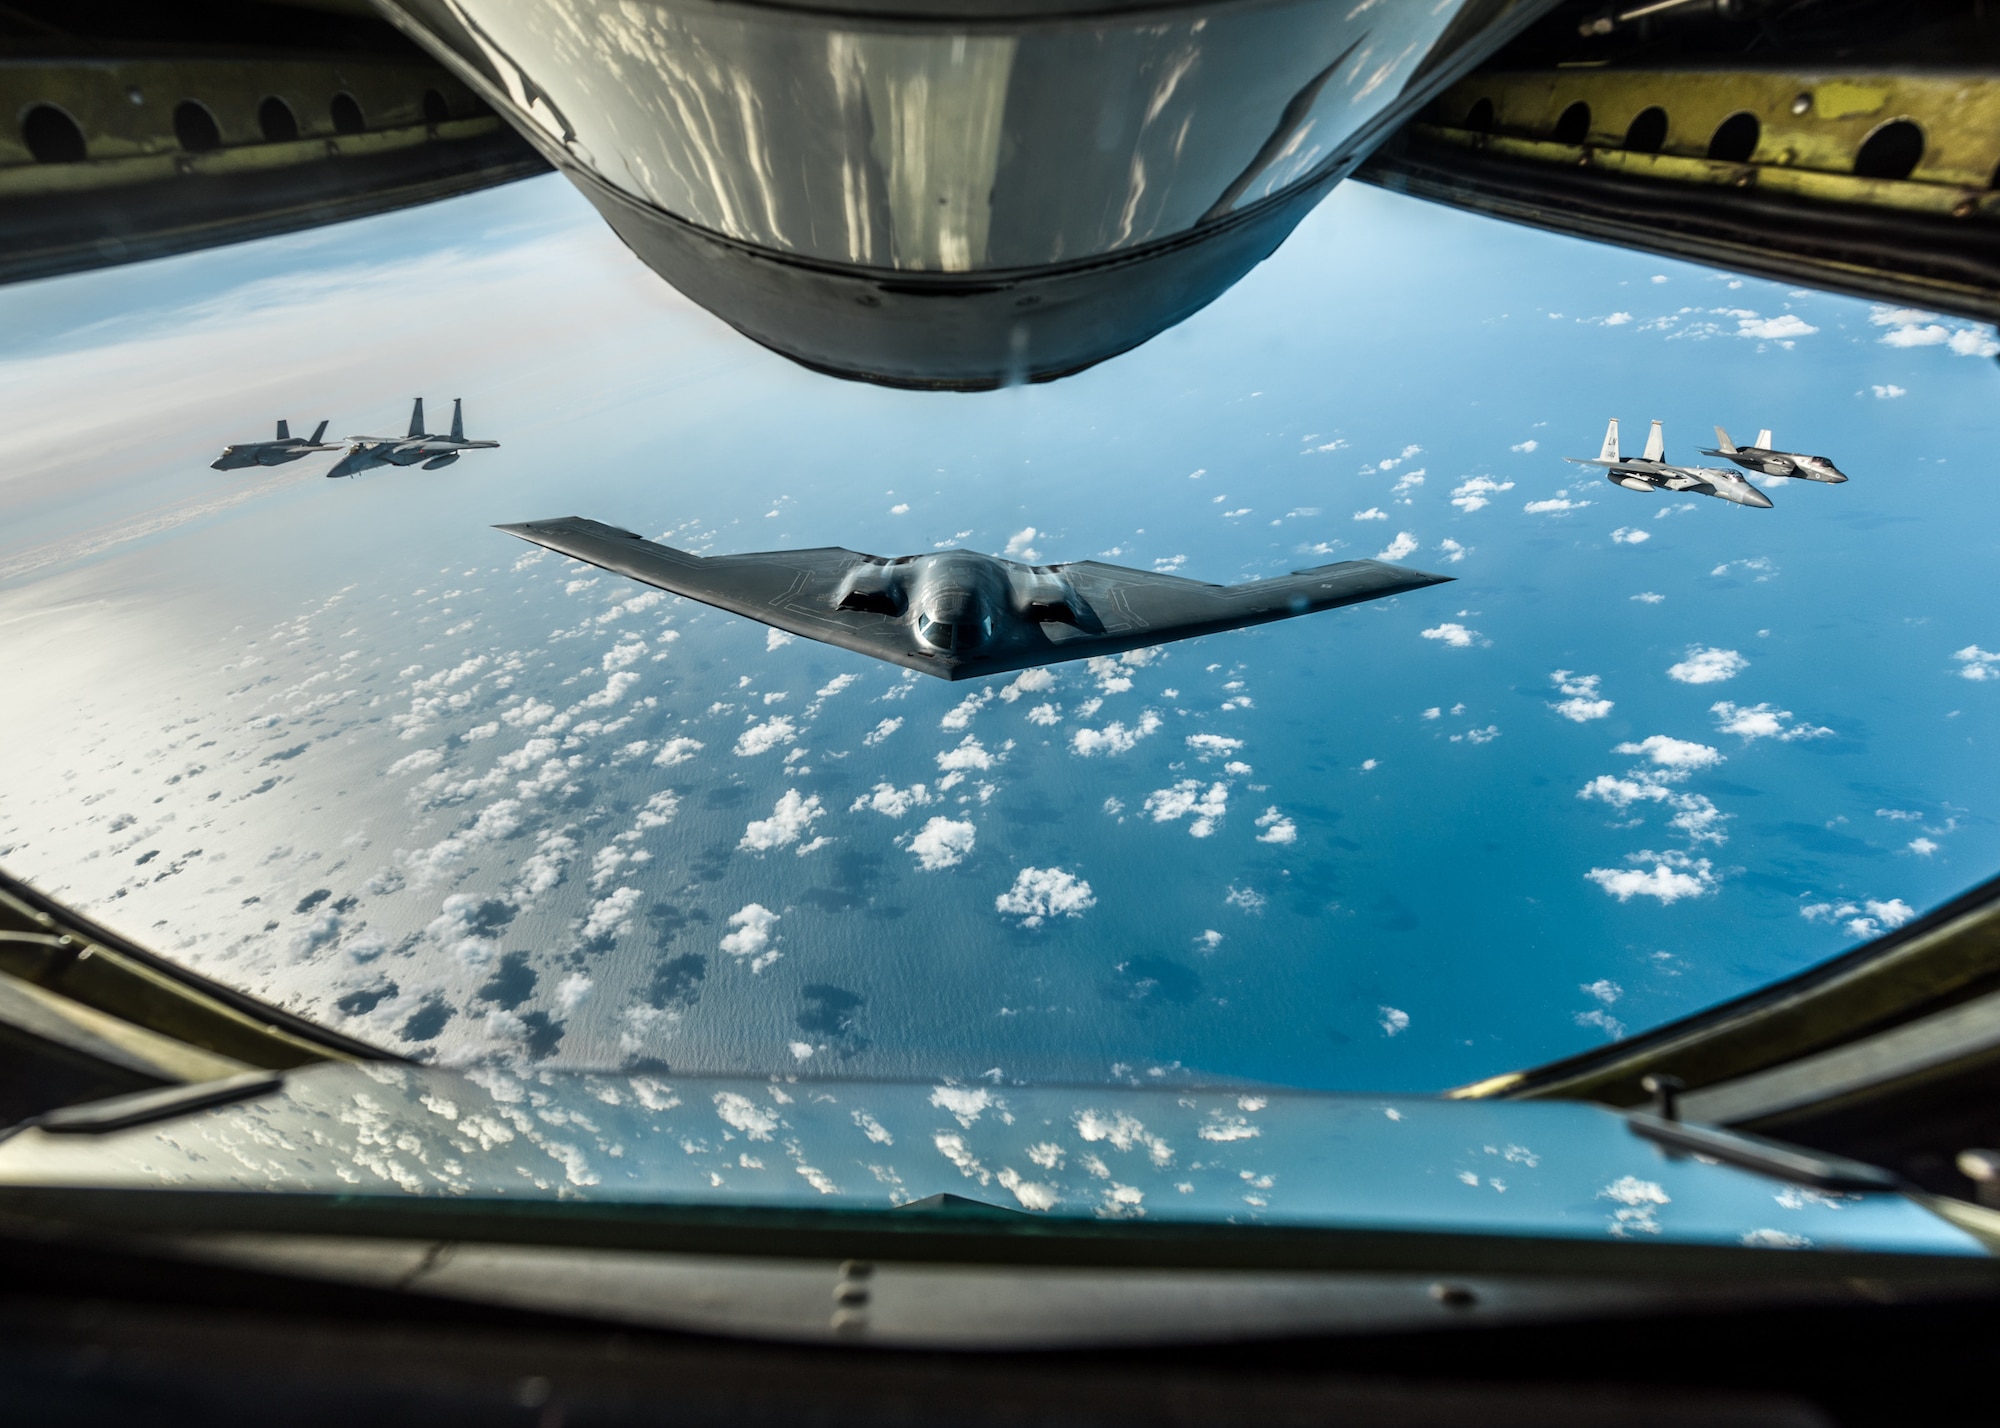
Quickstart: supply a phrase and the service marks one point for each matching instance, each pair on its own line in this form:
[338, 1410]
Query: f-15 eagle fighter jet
[1653, 472]
[414, 447]
[271, 453]
[1762, 457]
[958, 614]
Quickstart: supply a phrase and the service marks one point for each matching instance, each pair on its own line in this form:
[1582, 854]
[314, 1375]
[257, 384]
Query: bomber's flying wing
[795, 590]
[1114, 609]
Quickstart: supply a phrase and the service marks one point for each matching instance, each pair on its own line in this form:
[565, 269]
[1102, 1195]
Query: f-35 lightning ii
[958, 614]
[1653, 472]
[1762, 457]
[271, 453]
[413, 447]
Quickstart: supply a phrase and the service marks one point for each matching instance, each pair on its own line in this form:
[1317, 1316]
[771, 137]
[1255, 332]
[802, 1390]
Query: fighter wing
[1129, 609]
[794, 590]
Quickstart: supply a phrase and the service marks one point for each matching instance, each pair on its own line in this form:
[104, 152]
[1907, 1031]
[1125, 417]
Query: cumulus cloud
[970, 756]
[1672, 753]
[1113, 738]
[1977, 664]
[1889, 391]
[1452, 633]
[1708, 665]
[1673, 875]
[611, 916]
[1186, 797]
[892, 802]
[1041, 893]
[1476, 492]
[1039, 680]
[881, 731]
[1404, 544]
[1784, 326]
[1913, 327]
[960, 716]
[1762, 721]
[1392, 1020]
[1584, 703]
[1622, 793]
[1045, 714]
[1453, 551]
[1373, 513]
[942, 843]
[1208, 746]
[1631, 535]
[1554, 506]
[764, 737]
[742, 1114]
[1277, 828]
[790, 819]
[750, 935]
[677, 751]
[1531, 444]
[1867, 918]
[1019, 545]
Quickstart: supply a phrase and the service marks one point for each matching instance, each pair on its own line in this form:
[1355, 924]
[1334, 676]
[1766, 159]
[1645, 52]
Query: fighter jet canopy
[956, 195]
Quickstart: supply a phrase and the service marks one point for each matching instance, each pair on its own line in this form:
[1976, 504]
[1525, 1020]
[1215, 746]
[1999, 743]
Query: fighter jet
[271, 453]
[413, 447]
[1653, 472]
[958, 614]
[1762, 457]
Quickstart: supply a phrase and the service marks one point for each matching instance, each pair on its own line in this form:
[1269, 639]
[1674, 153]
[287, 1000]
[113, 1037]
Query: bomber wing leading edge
[958, 614]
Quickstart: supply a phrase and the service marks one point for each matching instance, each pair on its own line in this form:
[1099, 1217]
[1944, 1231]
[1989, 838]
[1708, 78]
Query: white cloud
[1277, 828]
[892, 802]
[1404, 544]
[1631, 535]
[1018, 545]
[1530, 444]
[901, 508]
[750, 935]
[969, 756]
[742, 1114]
[611, 916]
[1392, 1020]
[1649, 597]
[1373, 513]
[942, 843]
[882, 731]
[775, 639]
[1673, 875]
[1045, 714]
[1453, 551]
[1584, 703]
[1922, 847]
[1974, 342]
[1708, 665]
[1672, 753]
[1762, 721]
[762, 738]
[960, 716]
[1476, 491]
[1248, 899]
[1030, 681]
[1785, 325]
[1867, 918]
[966, 1104]
[835, 685]
[1622, 793]
[791, 817]
[1977, 664]
[1186, 797]
[1113, 738]
[677, 751]
[1890, 391]
[1913, 327]
[1042, 893]
[628, 651]
[1555, 506]
[1208, 746]
[1452, 633]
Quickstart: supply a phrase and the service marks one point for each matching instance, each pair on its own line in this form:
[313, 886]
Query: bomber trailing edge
[960, 614]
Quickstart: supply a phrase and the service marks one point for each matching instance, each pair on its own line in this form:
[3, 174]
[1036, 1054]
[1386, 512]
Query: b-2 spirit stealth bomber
[287, 447]
[1652, 471]
[1763, 457]
[958, 614]
[413, 447]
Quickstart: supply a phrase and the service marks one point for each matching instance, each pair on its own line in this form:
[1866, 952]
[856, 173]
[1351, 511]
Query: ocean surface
[346, 746]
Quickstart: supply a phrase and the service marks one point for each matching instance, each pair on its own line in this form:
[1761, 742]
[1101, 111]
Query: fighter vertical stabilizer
[1656, 444]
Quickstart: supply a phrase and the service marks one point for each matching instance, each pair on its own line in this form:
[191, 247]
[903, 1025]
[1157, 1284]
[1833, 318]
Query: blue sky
[1644, 754]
